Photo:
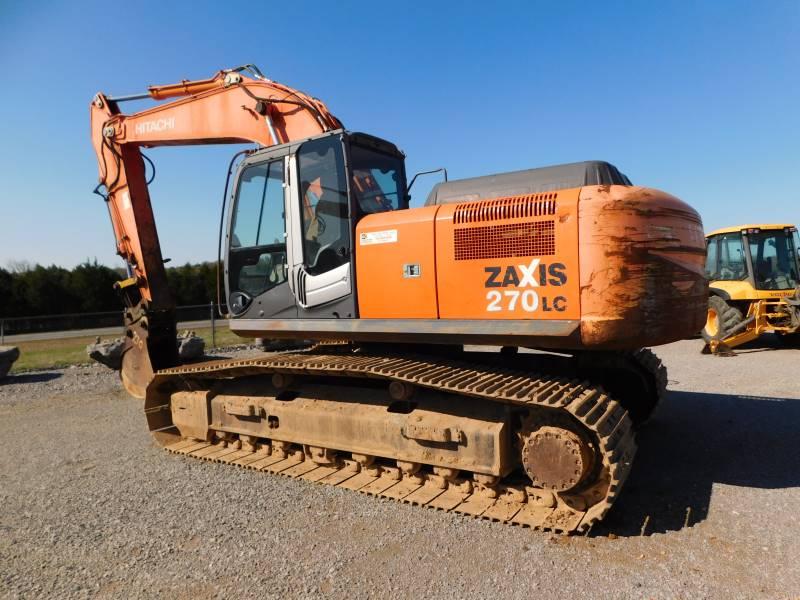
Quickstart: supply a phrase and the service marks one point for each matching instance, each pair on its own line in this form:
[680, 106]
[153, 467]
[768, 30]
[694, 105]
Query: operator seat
[329, 214]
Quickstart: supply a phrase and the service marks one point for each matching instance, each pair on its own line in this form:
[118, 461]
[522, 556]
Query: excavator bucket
[137, 370]
[150, 345]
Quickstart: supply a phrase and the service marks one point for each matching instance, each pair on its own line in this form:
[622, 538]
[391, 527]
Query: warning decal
[389, 236]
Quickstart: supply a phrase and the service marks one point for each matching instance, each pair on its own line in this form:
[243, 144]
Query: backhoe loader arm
[227, 108]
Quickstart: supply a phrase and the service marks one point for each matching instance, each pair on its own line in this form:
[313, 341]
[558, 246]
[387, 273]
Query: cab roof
[739, 228]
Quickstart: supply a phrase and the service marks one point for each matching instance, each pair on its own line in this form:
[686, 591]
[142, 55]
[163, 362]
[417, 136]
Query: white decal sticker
[388, 236]
[528, 278]
[155, 125]
[494, 297]
[529, 300]
[126, 200]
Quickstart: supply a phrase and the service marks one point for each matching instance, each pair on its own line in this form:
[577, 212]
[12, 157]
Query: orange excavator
[320, 244]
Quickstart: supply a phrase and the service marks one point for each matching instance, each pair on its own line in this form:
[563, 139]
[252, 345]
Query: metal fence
[98, 320]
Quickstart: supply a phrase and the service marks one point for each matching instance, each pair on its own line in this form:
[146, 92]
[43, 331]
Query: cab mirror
[413, 179]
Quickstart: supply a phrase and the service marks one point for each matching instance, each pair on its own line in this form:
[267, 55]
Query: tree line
[31, 290]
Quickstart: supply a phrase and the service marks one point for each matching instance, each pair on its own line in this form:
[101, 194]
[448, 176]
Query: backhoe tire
[722, 317]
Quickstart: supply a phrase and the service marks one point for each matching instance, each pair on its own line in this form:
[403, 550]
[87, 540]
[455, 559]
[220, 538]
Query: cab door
[256, 267]
[320, 252]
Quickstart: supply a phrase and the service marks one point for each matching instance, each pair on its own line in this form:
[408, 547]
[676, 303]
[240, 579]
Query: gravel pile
[90, 507]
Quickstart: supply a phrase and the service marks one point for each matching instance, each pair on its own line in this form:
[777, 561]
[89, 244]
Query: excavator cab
[292, 218]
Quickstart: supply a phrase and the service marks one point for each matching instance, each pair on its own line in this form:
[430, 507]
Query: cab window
[376, 180]
[711, 260]
[257, 257]
[732, 262]
[796, 246]
[324, 207]
[774, 262]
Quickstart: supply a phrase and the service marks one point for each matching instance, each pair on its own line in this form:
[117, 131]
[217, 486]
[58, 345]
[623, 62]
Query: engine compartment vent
[511, 207]
[532, 238]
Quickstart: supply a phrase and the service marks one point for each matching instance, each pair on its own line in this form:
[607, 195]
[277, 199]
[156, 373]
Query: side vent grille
[512, 207]
[301, 286]
[534, 238]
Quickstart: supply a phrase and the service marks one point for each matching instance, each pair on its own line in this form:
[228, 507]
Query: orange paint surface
[509, 258]
[641, 267]
[396, 266]
[626, 261]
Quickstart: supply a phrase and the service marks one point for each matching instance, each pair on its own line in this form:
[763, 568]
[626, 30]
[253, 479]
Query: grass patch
[51, 354]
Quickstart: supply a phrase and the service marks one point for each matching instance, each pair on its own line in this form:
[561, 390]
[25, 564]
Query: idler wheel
[557, 459]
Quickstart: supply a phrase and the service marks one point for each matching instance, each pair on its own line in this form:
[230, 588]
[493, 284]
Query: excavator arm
[229, 107]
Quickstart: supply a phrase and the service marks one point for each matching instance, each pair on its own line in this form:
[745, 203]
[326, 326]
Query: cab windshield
[774, 257]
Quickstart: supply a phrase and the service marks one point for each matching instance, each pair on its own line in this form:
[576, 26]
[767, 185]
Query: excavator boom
[227, 108]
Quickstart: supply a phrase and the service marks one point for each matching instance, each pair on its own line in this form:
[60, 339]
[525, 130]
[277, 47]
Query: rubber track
[589, 405]
[649, 361]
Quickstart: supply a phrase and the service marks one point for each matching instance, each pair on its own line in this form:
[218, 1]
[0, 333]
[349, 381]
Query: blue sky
[699, 99]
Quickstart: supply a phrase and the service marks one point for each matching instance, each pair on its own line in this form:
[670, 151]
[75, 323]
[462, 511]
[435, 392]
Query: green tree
[6, 293]
[193, 284]
[27, 290]
[92, 285]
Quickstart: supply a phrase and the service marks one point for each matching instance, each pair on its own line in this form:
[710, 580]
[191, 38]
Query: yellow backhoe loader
[754, 285]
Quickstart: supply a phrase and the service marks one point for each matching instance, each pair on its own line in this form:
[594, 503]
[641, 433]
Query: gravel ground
[90, 507]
